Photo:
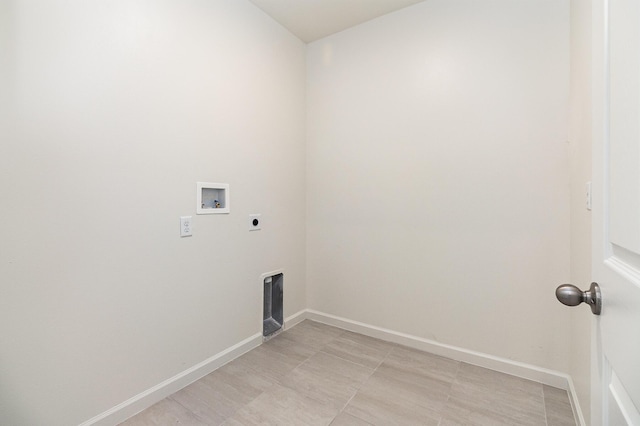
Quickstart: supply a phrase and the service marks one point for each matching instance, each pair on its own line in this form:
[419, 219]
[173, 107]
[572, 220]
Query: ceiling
[311, 20]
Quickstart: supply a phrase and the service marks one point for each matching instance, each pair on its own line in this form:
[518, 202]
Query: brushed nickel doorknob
[571, 295]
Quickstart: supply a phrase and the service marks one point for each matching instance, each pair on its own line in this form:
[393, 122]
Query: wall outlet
[185, 226]
[255, 222]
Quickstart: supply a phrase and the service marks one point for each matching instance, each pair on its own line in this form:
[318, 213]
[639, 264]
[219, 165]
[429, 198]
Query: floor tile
[270, 362]
[378, 408]
[344, 419]
[489, 396]
[495, 380]
[293, 345]
[208, 406]
[409, 387]
[426, 395]
[554, 420]
[314, 374]
[283, 406]
[237, 383]
[557, 407]
[165, 412]
[312, 334]
[555, 394]
[218, 395]
[411, 362]
[328, 379]
[242, 371]
[360, 349]
[460, 413]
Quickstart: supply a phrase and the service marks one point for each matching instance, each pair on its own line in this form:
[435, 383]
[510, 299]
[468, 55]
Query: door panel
[624, 123]
[619, 402]
[616, 215]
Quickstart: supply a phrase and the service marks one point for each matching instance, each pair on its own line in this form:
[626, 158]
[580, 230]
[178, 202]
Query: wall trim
[295, 319]
[503, 365]
[143, 400]
[146, 399]
[575, 404]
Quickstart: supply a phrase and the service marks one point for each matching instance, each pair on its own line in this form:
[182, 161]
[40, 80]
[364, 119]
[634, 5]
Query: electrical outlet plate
[255, 222]
[185, 226]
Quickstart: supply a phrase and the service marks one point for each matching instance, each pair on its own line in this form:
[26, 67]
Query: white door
[616, 211]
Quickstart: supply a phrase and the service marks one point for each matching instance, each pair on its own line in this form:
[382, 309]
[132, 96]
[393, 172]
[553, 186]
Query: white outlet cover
[255, 222]
[186, 226]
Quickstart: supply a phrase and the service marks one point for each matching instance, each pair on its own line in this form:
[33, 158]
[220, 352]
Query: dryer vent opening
[272, 318]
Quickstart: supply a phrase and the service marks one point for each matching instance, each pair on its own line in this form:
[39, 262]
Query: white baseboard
[146, 399]
[503, 365]
[575, 404]
[294, 319]
[514, 368]
[136, 404]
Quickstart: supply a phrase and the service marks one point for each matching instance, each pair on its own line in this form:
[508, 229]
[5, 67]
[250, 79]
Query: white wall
[112, 111]
[438, 182]
[437, 186]
[580, 166]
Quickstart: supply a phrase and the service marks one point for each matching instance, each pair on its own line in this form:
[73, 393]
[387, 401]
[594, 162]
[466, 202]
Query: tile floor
[314, 374]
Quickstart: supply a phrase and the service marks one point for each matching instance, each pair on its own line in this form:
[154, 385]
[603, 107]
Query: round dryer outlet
[255, 222]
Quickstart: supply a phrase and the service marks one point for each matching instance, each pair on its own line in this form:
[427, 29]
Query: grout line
[544, 406]
[346, 404]
[347, 360]
[386, 357]
[361, 384]
[455, 380]
[187, 409]
[342, 333]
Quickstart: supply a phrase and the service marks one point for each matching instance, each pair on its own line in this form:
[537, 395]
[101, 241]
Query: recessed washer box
[272, 314]
[213, 198]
